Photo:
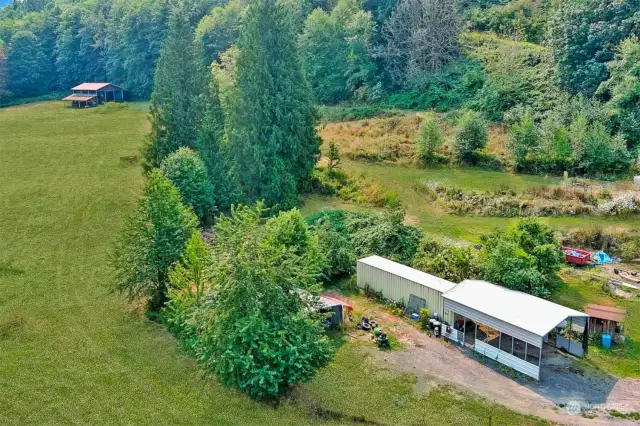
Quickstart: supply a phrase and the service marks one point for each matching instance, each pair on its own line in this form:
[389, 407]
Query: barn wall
[396, 288]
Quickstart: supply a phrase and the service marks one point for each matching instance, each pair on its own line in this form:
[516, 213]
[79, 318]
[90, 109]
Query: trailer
[576, 256]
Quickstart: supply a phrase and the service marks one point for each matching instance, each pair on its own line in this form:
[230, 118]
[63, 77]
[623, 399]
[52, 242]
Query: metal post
[540, 357]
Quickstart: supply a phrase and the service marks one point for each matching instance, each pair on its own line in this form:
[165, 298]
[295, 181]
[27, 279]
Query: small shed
[87, 95]
[511, 327]
[336, 307]
[604, 319]
[399, 282]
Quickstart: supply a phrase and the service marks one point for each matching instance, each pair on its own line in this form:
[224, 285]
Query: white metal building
[399, 282]
[507, 325]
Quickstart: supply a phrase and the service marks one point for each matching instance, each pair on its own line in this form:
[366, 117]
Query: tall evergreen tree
[179, 82]
[152, 240]
[273, 138]
[134, 35]
[212, 146]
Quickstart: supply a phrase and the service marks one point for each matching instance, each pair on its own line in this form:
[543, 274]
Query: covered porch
[511, 327]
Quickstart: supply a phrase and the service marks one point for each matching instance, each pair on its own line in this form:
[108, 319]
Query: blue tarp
[601, 258]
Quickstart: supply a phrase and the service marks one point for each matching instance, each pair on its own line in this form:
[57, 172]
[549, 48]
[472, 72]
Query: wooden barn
[88, 95]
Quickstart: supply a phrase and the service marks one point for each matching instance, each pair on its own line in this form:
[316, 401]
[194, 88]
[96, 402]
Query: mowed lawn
[73, 353]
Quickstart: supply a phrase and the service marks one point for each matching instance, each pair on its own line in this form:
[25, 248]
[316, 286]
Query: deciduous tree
[336, 52]
[220, 29]
[429, 138]
[27, 64]
[420, 36]
[471, 136]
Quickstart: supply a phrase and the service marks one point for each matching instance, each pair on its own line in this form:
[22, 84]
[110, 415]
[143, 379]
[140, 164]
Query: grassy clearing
[401, 180]
[578, 291]
[72, 352]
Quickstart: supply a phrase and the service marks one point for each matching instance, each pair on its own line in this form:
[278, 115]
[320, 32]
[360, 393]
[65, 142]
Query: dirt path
[436, 362]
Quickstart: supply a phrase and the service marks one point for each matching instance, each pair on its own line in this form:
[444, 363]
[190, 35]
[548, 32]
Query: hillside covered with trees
[234, 89]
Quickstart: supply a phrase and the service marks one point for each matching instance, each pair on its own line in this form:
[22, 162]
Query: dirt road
[565, 395]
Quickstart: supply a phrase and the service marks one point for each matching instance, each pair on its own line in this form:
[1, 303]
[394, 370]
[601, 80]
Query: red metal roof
[606, 312]
[91, 86]
[79, 98]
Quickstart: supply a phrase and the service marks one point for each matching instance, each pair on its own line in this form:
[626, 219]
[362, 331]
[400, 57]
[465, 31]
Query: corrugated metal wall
[508, 359]
[504, 327]
[396, 288]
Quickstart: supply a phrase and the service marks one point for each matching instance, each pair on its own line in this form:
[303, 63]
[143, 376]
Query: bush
[429, 138]
[450, 88]
[621, 205]
[187, 172]
[526, 258]
[424, 318]
[336, 246]
[470, 137]
[448, 260]
[383, 235]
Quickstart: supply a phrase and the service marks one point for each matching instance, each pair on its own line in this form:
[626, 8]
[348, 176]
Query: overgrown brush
[539, 201]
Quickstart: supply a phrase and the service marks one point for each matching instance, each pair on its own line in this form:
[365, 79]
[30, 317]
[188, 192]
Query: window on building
[533, 354]
[481, 332]
[488, 335]
[519, 348]
[506, 343]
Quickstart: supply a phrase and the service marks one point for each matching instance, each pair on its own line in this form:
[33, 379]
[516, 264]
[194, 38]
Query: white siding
[454, 307]
[397, 288]
[508, 359]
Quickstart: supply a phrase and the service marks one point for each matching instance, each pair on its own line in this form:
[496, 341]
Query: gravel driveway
[564, 394]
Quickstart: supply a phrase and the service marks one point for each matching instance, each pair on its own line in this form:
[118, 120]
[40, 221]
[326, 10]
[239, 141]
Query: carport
[510, 326]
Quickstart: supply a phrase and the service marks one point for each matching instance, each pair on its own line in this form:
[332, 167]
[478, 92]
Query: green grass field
[74, 353]
[401, 179]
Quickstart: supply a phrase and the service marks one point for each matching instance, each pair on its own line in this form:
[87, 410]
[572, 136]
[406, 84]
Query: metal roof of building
[408, 273]
[79, 98]
[606, 312]
[523, 310]
[92, 86]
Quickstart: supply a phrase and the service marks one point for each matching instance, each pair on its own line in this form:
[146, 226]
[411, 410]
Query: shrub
[470, 137]
[336, 246]
[338, 114]
[623, 204]
[526, 258]
[424, 318]
[595, 151]
[187, 172]
[448, 260]
[383, 235]
[428, 139]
